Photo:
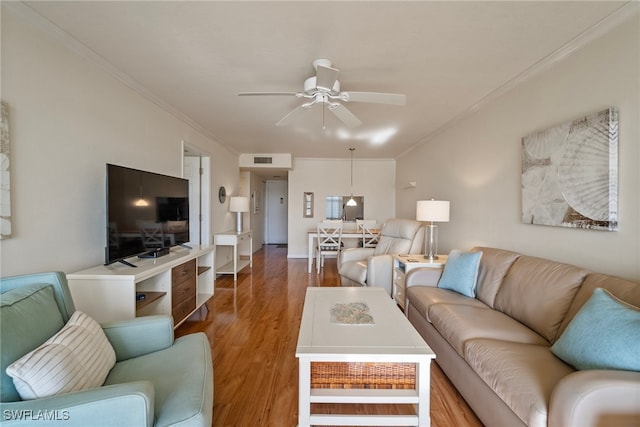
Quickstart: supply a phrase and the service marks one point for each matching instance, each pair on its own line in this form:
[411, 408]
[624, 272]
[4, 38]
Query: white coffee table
[390, 339]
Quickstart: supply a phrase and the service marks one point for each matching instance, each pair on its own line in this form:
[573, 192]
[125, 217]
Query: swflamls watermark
[35, 415]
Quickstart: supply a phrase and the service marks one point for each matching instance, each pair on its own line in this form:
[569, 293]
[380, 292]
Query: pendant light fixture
[141, 202]
[352, 201]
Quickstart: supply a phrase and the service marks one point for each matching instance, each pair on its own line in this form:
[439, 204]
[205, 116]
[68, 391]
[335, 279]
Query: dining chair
[152, 234]
[329, 241]
[370, 234]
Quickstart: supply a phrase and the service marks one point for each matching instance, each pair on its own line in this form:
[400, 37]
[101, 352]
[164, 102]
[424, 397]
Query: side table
[403, 264]
[242, 239]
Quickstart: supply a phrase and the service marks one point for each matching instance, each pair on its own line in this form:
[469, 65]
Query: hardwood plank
[253, 332]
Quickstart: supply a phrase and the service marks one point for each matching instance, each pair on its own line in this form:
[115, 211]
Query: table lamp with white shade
[432, 211]
[239, 205]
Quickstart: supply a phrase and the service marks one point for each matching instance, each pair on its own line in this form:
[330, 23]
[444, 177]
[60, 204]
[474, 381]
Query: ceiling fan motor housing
[310, 87]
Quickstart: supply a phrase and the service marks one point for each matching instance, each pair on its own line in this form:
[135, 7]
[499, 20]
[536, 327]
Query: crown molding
[592, 33]
[32, 17]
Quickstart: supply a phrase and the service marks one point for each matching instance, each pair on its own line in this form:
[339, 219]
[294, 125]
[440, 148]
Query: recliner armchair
[156, 380]
[374, 266]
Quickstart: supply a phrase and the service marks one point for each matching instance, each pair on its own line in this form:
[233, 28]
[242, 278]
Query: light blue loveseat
[156, 381]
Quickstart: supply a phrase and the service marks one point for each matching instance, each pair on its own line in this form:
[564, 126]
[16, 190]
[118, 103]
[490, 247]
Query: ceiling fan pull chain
[324, 107]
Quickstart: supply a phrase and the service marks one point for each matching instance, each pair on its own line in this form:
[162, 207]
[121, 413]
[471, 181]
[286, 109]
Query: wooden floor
[253, 332]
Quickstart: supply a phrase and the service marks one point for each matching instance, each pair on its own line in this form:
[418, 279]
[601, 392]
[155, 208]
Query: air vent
[265, 160]
[262, 160]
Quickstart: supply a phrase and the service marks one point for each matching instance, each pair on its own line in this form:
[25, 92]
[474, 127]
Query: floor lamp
[432, 211]
[239, 204]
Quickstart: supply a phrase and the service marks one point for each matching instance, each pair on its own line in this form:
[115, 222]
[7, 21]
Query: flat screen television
[147, 213]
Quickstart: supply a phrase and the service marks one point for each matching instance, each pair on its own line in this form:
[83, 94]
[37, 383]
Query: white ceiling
[448, 57]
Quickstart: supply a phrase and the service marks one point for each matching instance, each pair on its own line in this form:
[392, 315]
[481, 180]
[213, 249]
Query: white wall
[67, 119]
[373, 179]
[476, 164]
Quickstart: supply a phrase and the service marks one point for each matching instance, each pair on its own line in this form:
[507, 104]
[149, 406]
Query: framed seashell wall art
[570, 173]
[5, 174]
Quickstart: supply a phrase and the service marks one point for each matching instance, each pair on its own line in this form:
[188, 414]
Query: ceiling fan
[324, 89]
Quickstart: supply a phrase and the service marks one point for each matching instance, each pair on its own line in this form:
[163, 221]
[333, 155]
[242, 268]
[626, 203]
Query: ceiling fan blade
[267, 93]
[292, 114]
[326, 77]
[346, 116]
[374, 97]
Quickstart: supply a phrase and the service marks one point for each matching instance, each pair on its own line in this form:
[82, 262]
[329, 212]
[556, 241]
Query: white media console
[176, 284]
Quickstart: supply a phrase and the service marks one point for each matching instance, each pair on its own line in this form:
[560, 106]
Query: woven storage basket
[363, 375]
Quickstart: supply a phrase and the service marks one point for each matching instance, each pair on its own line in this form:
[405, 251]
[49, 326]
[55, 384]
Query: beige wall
[67, 119]
[476, 163]
[373, 179]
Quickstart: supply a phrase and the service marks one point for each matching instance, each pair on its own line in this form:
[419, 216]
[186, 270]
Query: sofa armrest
[139, 336]
[355, 254]
[129, 404]
[423, 276]
[380, 272]
[596, 398]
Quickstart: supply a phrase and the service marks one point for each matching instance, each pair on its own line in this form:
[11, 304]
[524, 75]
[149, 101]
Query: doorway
[195, 168]
[276, 210]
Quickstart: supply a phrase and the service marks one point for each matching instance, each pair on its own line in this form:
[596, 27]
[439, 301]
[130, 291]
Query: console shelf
[202, 270]
[177, 285]
[149, 297]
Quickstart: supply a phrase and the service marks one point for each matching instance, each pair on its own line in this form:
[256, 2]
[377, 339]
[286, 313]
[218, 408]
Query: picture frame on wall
[307, 205]
[570, 173]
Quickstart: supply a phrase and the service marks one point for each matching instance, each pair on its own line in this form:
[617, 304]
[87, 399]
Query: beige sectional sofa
[496, 347]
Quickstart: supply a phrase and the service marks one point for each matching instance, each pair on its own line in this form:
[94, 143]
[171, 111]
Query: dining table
[347, 233]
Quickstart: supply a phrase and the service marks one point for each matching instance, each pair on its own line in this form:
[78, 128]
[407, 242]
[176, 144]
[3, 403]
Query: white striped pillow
[78, 357]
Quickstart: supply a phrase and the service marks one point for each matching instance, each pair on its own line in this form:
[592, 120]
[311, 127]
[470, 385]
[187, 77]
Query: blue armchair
[156, 380]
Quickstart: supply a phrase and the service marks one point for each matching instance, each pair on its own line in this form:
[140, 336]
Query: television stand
[127, 263]
[177, 284]
[156, 253]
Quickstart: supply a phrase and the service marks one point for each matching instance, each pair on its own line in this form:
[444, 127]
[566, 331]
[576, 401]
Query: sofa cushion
[523, 375]
[423, 297]
[605, 334]
[28, 317]
[538, 293]
[181, 378]
[622, 289]
[76, 358]
[461, 272]
[494, 266]
[460, 323]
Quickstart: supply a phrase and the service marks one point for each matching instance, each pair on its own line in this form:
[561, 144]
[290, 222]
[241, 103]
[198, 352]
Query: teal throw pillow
[604, 334]
[461, 272]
